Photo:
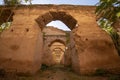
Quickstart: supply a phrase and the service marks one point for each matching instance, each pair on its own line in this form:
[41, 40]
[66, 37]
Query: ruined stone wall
[22, 49]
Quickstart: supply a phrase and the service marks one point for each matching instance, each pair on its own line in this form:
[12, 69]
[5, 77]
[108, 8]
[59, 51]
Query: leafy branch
[107, 26]
[108, 9]
[9, 14]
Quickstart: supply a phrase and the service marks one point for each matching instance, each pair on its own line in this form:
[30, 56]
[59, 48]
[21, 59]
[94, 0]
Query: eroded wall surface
[22, 48]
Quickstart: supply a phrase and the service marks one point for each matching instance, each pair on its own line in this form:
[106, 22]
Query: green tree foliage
[108, 14]
[12, 2]
[107, 26]
[5, 26]
[108, 9]
[8, 3]
[15, 2]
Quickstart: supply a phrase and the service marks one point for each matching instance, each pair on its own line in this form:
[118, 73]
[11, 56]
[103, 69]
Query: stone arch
[56, 15]
[58, 48]
[57, 40]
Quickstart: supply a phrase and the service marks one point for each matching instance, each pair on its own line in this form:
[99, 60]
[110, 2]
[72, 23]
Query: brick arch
[56, 15]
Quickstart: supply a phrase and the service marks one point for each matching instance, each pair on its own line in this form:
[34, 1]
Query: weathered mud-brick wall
[95, 48]
[21, 45]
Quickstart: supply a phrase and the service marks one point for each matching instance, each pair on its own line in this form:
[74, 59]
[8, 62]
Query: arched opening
[57, 50]
[56, 40]
[52, 15]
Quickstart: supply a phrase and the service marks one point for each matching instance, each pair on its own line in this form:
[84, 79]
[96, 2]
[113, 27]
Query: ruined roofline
[48, 5]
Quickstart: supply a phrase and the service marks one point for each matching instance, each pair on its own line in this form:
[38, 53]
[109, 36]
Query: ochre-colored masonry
[91, 48]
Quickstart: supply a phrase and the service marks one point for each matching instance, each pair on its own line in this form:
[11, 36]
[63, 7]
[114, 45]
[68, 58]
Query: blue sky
[73, 2]
[59, 24]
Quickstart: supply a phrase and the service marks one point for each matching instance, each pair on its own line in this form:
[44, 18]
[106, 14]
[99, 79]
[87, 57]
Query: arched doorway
[50, 36]
[57, 51]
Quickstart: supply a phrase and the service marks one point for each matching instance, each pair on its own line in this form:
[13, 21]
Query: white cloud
[58, 24]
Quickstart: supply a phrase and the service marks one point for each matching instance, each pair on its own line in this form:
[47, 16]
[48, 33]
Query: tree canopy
[15, 2]
[108, 14]
[108, 9]
[6, 14]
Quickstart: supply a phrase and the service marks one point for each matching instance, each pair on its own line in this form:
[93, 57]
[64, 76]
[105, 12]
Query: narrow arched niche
[57, 48]
[58, 15]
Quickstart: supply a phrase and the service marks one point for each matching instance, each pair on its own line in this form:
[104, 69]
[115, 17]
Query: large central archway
[66, 18]
[44, 19]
